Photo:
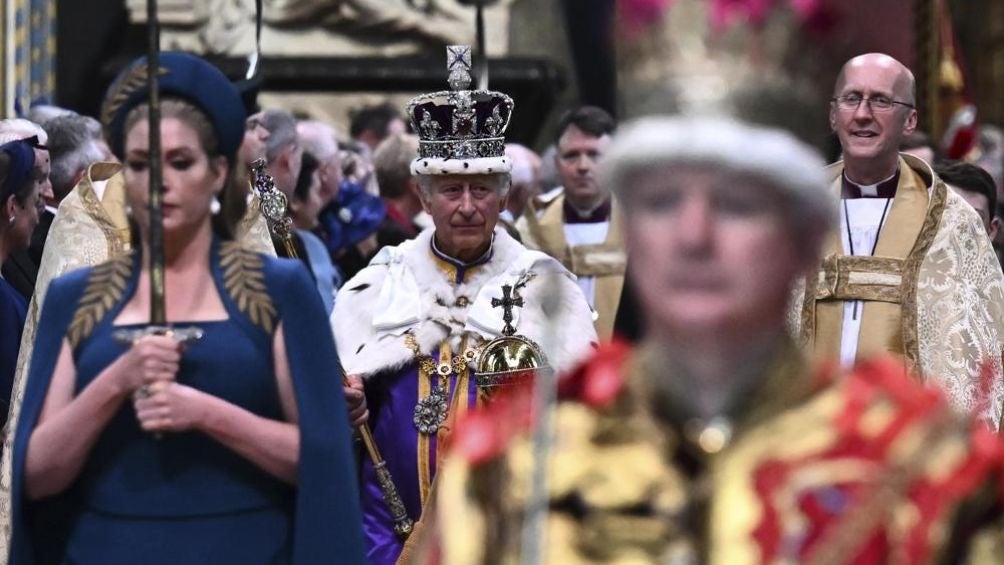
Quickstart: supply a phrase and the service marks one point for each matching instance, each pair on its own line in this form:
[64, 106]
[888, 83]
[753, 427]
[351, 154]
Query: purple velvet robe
[392, 398]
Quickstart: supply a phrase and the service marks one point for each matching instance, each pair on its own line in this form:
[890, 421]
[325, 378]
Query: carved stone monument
[341, 28]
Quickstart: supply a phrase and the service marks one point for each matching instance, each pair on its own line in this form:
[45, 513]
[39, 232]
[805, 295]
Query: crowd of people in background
[399, 251]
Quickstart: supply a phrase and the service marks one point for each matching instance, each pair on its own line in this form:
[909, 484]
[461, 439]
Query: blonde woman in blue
[231, 449]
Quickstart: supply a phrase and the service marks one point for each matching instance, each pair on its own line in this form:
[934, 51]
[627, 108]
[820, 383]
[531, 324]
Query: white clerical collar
[871, 190]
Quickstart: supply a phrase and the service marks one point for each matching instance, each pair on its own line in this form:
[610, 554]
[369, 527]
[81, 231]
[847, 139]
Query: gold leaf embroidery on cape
[244, 279]
[105, 288]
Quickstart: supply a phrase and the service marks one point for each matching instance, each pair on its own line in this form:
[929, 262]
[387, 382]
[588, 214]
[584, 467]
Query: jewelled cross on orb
[509, 300]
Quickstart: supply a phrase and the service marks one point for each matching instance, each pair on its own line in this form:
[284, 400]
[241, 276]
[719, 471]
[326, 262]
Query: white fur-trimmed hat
[460, 131]
[770, 154]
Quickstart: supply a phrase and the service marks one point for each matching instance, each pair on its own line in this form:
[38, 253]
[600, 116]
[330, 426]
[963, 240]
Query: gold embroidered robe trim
[605, 261]
[105, 287]
[949, 322]
[881, 321]
[244, 280]
[619, 462]
[846, 277]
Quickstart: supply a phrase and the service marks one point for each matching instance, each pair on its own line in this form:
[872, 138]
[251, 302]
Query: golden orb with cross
[509, 359]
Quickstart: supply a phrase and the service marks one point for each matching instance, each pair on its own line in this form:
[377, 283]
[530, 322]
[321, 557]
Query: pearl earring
[214, 205]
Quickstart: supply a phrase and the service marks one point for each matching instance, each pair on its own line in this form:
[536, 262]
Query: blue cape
[327, 523]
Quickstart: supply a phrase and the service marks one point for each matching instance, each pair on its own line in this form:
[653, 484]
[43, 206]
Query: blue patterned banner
[34, 48]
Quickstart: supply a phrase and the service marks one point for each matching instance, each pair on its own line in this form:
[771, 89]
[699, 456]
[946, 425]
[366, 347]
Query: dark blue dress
[185, 498]
[13, 312]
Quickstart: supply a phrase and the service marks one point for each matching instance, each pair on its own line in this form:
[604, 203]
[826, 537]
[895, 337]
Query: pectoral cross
[509, 300]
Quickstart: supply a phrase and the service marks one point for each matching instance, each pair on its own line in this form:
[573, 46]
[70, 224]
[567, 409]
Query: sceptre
[273, 207]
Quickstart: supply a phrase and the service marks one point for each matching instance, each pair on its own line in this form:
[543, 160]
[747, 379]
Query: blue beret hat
[22, 160]
[182, 75]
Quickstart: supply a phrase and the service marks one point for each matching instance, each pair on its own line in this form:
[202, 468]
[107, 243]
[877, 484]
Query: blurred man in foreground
[714, 441]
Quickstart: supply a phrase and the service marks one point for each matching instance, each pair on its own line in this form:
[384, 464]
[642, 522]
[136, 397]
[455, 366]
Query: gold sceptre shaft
[273, 207]
[403, 524]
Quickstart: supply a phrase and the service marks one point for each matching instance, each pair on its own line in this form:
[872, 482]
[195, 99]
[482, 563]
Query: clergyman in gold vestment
[581, 227]
[909, 269]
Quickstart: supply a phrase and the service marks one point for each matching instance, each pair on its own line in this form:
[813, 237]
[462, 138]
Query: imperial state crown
[460, 131]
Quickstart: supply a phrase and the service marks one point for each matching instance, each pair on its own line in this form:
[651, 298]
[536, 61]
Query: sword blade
[157, 291]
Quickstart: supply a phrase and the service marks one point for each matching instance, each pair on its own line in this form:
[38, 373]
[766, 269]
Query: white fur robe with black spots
[406, 289]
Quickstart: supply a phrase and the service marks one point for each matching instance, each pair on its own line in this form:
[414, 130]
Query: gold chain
[428, 365]
[432, 411]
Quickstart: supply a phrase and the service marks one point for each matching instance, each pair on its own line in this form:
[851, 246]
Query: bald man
[910, 271]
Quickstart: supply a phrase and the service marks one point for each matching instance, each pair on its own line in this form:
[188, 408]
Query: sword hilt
[129, 336]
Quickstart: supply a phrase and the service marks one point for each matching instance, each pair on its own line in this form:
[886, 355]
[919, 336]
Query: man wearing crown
[413, 322]
[908, 269]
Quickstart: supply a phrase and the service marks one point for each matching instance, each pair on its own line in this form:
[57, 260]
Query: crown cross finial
[458, 63]
[509, 300]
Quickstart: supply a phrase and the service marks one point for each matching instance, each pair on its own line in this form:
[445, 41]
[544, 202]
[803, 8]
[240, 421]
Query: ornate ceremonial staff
[403, 524]
[273, 208]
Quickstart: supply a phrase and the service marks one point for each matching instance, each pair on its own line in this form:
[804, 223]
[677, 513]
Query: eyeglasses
[876, 103]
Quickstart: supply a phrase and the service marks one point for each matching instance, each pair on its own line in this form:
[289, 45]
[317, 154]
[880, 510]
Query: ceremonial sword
[158, 311]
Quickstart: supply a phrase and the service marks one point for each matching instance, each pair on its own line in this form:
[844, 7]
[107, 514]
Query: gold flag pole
[273, 207]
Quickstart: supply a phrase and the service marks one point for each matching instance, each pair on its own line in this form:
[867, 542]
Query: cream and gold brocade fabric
[86, 231]
[945, 311]
[960, 311]
[606, 261]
